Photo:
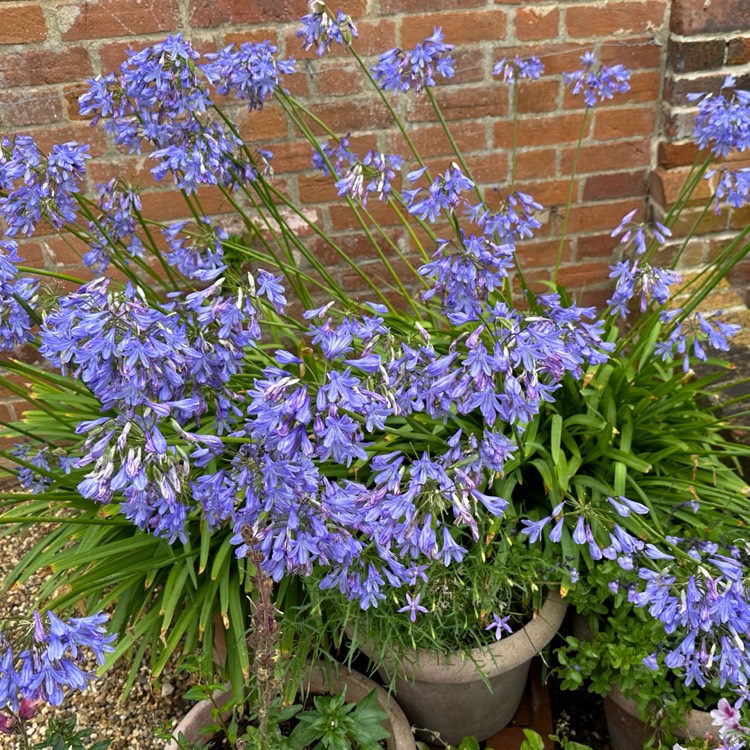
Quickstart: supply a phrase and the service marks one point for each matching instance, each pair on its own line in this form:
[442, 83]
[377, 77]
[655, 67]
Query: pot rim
[489, 661]
[321, 678]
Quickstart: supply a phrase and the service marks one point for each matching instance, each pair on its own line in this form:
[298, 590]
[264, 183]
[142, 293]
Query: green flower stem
[64, 519]
[452, 141]
[51, 274]
[13, 388]
[514, 137]
[569, 201]
[692, 231]
[15, 428]
[392, 112]
[27, 464]
[159, 255]
[34, 373]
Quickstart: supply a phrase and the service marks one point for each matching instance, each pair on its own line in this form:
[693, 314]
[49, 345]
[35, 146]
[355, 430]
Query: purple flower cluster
[514, 220]
[250, 73]
[634, 277]
[17, 298]
[723, 122]
[51, 660]
[199, 255]
[321, 29]
[733, 186]
[709, 615]
[402, 70]
[115, 228]
[639, 234]
[374, 174]
[36, 186]
[597, 82]
[519, 68]
[159, 97]
[693, 334]
[444, 195]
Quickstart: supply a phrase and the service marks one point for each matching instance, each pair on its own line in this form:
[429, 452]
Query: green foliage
[61, 734]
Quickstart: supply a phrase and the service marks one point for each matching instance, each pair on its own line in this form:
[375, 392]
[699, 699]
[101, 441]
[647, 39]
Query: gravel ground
[130, 725]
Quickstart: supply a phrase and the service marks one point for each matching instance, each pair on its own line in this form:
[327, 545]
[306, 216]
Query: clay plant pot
[320, 680]
[474, 696]
[627, 731]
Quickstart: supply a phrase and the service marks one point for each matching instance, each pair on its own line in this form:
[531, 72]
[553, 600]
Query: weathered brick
[738, 51]
[536, 163]
[22, 24]
[34, 67]
[541, 131]
[615, 124]
[32, 107]
[99, 19]
[614, 19]
[616, 185]
[420, 6]
[267, 124]
[339, 78]
[676, 90]
[489, 169]
[557, 57]
[596, 246]
[212, 13]
[691, 56]
[430, 140]
[538, 96]
[458, 103]
[535, 23]
[696, 16]
[549, 192]
[461, 27]
[640, 52]
[359, 113]
[596, 217]
[676, 154]
[252, 34]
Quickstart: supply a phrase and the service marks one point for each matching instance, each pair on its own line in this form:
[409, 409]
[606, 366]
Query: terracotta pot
[320, 681]
[450, 695]
[627, 731]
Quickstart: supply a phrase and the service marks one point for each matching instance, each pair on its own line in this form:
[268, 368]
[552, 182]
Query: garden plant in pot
[425, 459]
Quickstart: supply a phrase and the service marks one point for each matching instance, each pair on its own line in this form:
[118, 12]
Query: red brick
[738, 51]
[459, 27]
[601, 158]
[534, 23]
[267, 124]
[617, 185]
[339, 78]
[361, 113]
[420, 6]
[557, 58]
[75, 131]
[710, 223]
[677, 154]
[548, 192]
[33, 67]
[695, 55]
[614, 19]
[318, 189]
[470, 67]
[596, 246]
[100, 19]
[374, 36]
[541, 253]
[666, 185]
[600, 216]
[676, 91]
[430, 140]
[535, 163]
[31, 252]
[640, 52]
[252, 34]
[169, 204]
[343, 219]
[32, 107]
[614, 124]
[538, 96]
[698, 17]
[65, 251]
[541, 131]
[489, 169]
[460, 103]
[22, 24]
[211, 13]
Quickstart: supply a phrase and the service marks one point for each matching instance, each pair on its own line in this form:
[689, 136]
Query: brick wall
[48, 48]
[707, 42]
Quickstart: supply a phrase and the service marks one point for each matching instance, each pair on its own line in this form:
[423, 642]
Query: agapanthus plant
[372, 447]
